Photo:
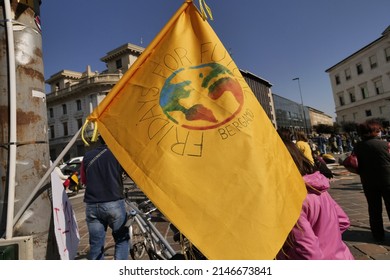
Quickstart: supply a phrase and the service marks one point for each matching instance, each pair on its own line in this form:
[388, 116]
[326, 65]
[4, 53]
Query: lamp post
[303, 109]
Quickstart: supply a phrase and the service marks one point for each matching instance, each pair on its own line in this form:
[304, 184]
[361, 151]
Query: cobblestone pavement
[346, 189]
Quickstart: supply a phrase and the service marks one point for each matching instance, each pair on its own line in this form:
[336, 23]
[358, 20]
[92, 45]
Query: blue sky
[277, 40]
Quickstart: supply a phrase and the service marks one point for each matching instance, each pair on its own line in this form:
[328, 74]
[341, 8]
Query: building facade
[361, 83]
[317, 117]
[262, 90]
[289, 115]
[74, 95]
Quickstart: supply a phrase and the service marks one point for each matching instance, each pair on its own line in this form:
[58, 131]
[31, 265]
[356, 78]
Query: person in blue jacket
[105, 204]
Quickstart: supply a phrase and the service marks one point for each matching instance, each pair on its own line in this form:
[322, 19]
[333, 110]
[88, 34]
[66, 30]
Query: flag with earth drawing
[187, 128]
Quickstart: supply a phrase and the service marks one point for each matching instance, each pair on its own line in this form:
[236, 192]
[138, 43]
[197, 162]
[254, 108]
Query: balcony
[103, 79]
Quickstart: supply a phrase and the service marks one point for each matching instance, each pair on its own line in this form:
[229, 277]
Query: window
[373, 62]
[382, 110]
[368, 113]
[341, 100]
[352, 96]
[387, 54]
[118, 63]
[354, 116]
[51, 113]
[378, 87]
[364, 91]
[347, 74]
[64, 109]
[78, 105]
[359, 68]
[52, 134]
[337, 79]
[65, 126]
[79, 123]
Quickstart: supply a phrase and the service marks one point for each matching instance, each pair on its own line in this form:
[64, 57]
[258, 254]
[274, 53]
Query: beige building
[74, 95]
[318, 117]
[361, 83]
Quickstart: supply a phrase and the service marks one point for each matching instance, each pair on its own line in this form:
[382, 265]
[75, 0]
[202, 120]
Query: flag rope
[205, 10]
[94, 134]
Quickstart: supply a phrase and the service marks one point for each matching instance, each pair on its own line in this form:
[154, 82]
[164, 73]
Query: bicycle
[144, 236]
[146, 239]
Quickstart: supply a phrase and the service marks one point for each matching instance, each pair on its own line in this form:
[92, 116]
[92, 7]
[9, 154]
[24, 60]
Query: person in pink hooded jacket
[317, 235]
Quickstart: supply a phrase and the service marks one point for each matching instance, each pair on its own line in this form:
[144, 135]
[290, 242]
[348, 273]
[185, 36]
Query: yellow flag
[187, 128]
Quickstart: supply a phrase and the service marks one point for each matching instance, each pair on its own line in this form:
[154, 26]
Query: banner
[189, 131]
[65, 224]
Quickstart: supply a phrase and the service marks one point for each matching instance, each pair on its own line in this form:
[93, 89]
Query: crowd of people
[339, 143]
[334, 143]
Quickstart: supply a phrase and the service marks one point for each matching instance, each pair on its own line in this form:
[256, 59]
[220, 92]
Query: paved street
[345, 189]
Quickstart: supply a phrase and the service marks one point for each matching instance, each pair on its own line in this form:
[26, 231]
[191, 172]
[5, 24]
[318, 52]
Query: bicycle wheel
[154, 250]
[137, 241]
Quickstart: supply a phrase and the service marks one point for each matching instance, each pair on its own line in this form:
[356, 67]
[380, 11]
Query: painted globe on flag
[201, 97]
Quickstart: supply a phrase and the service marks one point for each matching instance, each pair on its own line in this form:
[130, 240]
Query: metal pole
[12, 126]
[31, 142]
[303, 108]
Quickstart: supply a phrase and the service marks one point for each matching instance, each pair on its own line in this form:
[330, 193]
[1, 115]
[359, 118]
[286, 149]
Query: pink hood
[317, 181]
[318, 233]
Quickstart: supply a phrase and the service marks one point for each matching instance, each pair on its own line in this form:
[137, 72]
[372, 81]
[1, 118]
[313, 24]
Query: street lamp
[303, 109]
